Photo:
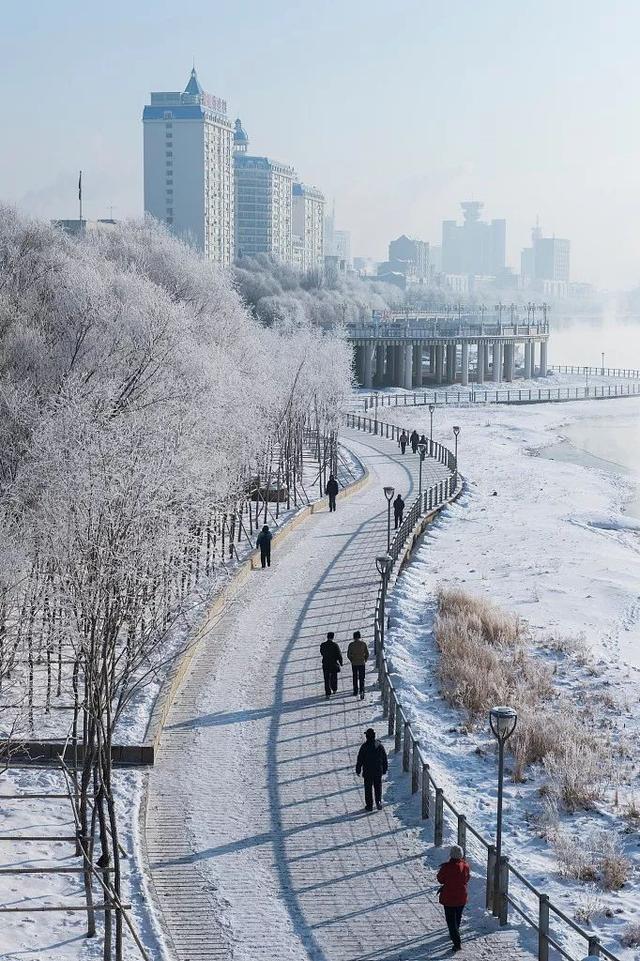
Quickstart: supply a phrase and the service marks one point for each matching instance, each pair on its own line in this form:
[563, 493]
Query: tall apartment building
[473, 247]
[546, 262]
[264, 203]
[308, 227]
[188, 168]
[412, 253]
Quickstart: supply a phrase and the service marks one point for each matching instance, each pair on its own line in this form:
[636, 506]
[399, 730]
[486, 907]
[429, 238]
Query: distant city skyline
[519, 119]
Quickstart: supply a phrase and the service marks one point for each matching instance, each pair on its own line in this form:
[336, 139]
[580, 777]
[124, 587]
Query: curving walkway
[257, 843]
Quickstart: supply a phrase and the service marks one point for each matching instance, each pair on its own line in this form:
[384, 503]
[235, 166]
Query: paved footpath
[258, 844]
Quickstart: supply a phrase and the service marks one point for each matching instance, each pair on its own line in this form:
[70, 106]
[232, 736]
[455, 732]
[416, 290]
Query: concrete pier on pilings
[414, 352]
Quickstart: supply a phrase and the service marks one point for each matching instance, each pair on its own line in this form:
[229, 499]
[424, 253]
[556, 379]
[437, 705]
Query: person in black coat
[414, 440]
[372, 764]
[264, 543]
[332, 491]
[398, 510]
[331, 664]
[402, 440]
[423, 440]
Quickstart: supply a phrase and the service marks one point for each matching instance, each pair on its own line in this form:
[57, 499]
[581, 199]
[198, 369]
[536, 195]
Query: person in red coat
[453, 877]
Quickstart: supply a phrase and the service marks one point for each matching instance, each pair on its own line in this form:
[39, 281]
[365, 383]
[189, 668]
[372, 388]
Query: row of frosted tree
[148, 425]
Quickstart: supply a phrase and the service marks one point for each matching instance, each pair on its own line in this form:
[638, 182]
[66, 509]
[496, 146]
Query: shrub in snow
[577, 775]
[589, 907]
[595, 856]
[630, 937]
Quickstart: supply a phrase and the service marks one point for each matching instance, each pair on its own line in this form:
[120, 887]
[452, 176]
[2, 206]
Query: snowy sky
[399, 110]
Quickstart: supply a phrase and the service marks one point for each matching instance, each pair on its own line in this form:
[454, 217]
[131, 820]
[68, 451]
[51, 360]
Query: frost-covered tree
[143, 411]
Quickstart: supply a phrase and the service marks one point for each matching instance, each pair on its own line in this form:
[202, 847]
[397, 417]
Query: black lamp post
[384, 562]
[388, 493]
[456, 431]
[422, 450]
[432, 407]
[503, 722]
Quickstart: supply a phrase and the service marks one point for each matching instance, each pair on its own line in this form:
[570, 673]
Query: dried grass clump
[483, 661]
[590, 906]
[597, 856]
[631, 936]
[568, 644]
[577, 775]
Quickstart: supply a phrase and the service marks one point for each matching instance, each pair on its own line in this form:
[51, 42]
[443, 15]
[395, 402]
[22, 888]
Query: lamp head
[389, 492]
[432, 407]
[503, 722]
[456, 431]
[423, 450]
[383, 563]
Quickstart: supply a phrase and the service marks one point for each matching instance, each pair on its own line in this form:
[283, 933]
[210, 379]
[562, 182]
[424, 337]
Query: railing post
[543, 928]
[594, 947]
[406, 746]
[438, 826]
[491, 873]
[384, 684]
[398, 742]
[462, 832]
[503, 905]
[415, 759]
[392, 710]
[426, 793]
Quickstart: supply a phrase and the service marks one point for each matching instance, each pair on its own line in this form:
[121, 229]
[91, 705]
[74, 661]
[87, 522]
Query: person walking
[423, 440]
[332, 491]
[398, 510]
[453, 877]
[402, 440]
[264, 543]
[331, 664]
[358, 654]
[414, 440]
[372, 764]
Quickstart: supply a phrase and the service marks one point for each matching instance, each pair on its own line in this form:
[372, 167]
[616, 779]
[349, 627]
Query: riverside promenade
[257, 842]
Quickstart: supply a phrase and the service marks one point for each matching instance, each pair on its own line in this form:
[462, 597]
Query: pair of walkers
[358, 654]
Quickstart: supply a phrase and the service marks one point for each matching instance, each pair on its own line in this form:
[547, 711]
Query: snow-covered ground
[546, 540]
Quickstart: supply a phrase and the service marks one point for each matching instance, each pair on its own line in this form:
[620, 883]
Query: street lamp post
[603, 363]
[456, 431]
[503, 722]
[422, 450]
[432, 407]
[388, 493]
[384, 563]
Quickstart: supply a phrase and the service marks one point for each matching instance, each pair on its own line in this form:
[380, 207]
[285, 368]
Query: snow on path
[256, 838]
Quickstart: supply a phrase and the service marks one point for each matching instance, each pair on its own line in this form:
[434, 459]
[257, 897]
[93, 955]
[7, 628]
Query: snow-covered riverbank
[546, 540]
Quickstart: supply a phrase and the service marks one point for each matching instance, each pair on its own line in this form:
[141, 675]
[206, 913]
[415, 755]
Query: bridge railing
[449, 824]
[510, 395]
[442, 329]
[628, 373]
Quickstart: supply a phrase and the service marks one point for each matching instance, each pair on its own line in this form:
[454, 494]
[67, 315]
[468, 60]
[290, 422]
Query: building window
[170, 212]
[169, 220]
[169, 153]
[168, 115]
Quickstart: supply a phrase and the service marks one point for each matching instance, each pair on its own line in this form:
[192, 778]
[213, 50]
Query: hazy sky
[398, 110]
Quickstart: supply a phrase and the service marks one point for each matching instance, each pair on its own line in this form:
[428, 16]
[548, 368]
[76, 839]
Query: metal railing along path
[539, 911]
[627, 373]
[510, 395]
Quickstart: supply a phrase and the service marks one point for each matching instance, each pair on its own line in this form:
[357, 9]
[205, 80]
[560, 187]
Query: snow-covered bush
[596, 857]
[577, 774]
[630, 937]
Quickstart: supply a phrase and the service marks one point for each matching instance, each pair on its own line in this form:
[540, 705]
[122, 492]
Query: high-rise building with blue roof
[188, 168]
